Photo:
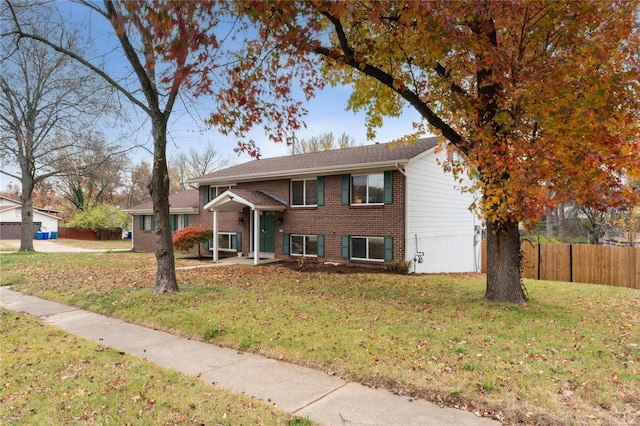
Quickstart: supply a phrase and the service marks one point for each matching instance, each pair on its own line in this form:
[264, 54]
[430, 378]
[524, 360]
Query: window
[179, 221]
[227, 241]
[304, 245]
[367, 248]
[211, 192]
[214, 191]
[147, 222]
[304, 192]
[367, 189]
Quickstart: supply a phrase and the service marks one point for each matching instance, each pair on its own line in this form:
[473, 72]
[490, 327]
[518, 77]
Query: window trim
[218, 189]
[304, 193]
[366, 201]
[367, 238]
[304, 236]
[230, 235]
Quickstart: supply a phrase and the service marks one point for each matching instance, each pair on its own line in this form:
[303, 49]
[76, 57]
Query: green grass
[53, 378]
[569, 356]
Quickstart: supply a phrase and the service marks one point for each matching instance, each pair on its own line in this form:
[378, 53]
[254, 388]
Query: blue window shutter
[172, 221]
[320, 185]
[185, 220]
[285, 244]
[344, 247]
[344, 190]
[205, 189]
[206, 245]
[388, 248]
[153, 222]
[320, 245]
[388, 187]
[141, 222]
[238, 241]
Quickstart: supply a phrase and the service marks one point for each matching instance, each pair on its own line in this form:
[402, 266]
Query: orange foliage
[541, 98]
[187, 238]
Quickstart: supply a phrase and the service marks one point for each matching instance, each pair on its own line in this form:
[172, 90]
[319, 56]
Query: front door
[267, 232]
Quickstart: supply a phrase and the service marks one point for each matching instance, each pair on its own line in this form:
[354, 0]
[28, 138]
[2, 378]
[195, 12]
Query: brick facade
[331, 219]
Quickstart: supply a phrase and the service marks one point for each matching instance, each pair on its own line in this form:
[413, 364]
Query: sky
[187, 131]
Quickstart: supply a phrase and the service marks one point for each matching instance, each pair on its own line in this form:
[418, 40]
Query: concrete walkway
[305, 392]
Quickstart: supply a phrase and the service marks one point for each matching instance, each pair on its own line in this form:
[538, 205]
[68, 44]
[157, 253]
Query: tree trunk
[26, 199]
[503, 263]
[159, 187]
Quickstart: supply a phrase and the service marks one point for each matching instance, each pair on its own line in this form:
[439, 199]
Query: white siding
[15, 215]
[49, 223]
[438, 220]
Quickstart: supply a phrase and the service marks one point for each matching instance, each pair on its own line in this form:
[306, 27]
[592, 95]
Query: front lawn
[50, 377]
[569, 356]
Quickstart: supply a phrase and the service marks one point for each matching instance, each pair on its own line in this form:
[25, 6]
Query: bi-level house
[361, 205]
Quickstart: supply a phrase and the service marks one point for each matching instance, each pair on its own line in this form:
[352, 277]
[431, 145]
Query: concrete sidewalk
[302, 391]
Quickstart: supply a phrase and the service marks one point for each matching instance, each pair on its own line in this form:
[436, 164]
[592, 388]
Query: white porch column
[215, 235]
[256, 236]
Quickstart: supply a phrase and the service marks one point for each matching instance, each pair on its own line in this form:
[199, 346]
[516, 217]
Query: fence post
[539, 259]
[570, 263]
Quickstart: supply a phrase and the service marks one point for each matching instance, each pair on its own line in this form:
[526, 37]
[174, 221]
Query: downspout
[406, 201]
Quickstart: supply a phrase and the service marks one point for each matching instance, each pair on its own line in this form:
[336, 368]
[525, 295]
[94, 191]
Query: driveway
[51, 246]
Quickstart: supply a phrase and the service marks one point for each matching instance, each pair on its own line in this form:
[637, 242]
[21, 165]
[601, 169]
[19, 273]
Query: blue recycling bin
[45, 235]
[54, 235]
[38, 235]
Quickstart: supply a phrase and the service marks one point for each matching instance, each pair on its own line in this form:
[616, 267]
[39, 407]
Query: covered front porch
[262, 208]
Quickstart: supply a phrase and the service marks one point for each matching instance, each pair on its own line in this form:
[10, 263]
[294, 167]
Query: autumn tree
[46, 102]
[170, 48]
[539, 100]
[190, 237]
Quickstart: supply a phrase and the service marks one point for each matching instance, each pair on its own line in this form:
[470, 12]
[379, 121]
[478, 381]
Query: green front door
[267, 232]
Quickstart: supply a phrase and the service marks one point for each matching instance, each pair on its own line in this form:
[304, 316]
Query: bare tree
[136, 187]
[325, 142]
[169, 47]
[46, 101]
[94, 175]
[195, 163]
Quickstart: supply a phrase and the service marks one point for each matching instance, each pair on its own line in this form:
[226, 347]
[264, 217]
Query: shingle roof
[180, 200]
[257, 197]
[236, 199]
[334, 160]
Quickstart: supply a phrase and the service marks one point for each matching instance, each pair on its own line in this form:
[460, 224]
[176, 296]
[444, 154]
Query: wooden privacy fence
[580, 263]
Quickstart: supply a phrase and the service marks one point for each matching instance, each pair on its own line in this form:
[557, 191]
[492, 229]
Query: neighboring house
[11, 219]
[361, 205]
[184, 211]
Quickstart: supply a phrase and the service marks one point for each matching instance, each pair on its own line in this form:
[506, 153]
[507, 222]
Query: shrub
[187, 238]
[397, 266]
[100, 217]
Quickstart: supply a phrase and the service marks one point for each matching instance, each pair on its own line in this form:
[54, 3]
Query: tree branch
[348, 57]
[78, 58]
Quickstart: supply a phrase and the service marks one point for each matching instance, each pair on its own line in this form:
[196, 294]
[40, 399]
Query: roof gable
[333, 161]
[237, 199]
